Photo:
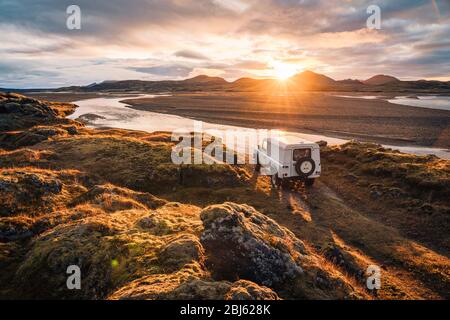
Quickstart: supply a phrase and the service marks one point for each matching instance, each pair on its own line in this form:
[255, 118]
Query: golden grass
[87, 198]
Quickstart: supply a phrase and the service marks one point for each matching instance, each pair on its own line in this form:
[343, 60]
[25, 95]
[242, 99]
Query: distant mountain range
[306, 80]
[380, 80]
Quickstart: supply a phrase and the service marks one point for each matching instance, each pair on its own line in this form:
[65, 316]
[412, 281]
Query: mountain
[245, 81]
[380, 79]
[250, 84]
[310, 78]
[350, 82]
[306, 80]
[203, 79]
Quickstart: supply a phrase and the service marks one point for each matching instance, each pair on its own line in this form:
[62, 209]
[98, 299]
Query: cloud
[190, 54]
[250, 64]
[238, 6]
[165, 70]
[163, 39]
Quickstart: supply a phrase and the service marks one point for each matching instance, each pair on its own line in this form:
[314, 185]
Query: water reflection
[112, 113]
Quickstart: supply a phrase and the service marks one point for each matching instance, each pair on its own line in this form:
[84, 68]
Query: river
[116, 114]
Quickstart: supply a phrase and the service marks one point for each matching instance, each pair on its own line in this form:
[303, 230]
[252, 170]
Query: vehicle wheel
[275, 180]
[309, 182]
[305, 167]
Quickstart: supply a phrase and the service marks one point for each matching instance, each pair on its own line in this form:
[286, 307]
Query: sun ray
[284, 71]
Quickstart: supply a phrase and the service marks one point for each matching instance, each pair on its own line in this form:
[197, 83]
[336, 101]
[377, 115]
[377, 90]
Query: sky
[178, 39]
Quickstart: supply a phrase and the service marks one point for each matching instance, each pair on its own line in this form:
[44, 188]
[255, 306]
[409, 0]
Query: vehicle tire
[309, 182]
[275, 180]
[305, 167]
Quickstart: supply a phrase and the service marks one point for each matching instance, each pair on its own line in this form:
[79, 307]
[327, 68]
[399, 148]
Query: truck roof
[288, 140]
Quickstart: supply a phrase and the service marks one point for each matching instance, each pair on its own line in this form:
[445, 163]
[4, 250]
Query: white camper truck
[288, 158]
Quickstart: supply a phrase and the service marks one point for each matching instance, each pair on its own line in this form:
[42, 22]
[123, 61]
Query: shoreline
[113, 113]
[242, 120]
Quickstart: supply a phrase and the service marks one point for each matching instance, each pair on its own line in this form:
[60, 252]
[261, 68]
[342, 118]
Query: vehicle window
[301, 153]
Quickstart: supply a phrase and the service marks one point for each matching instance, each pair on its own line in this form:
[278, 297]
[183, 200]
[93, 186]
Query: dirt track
[352, 239]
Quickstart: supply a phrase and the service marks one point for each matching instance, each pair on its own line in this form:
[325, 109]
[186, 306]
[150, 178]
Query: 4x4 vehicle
[287, 158]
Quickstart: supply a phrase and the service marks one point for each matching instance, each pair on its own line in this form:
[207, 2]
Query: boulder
[21, 190]
[181, 251]
[190, 283]
[19, 112]
[247, 290]
[242, 243]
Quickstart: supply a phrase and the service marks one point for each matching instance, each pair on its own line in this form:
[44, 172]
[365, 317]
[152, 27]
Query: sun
[283, 71]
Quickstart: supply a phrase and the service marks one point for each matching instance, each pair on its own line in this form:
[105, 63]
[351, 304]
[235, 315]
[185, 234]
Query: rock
[73, 130]
[89, 118]
[166, 286]
[32, 136]
[19, 112]
[241, 243]
[322, 143]
[81, 244]
[379, 191]
[223, 290]
[376, 194]
[42, 186]
[427, 208]
[247, 290]
[394, 193]
[11, 107]
[15, 229]
[190, 283]
[172, 218]
[181, 251]
[27, 192]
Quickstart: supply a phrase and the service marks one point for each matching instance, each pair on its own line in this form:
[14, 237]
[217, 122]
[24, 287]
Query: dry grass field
[141, 227]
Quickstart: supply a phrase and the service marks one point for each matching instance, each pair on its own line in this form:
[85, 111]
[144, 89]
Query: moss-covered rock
[34, 192]
[181, 251]
[247, 290]
[242, 243]
[20, 112]
[416, 175]
[191, 283]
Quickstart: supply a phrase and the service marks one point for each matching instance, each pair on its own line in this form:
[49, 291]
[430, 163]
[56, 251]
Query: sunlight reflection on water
[115, 114]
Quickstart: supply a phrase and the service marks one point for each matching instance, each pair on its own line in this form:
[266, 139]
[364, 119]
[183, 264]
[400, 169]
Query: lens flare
[283, 71]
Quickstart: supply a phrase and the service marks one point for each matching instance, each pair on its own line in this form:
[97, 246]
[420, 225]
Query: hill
[380, 80]
[203, 79]
[150, 229]
[305, 81]
[309, 78]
